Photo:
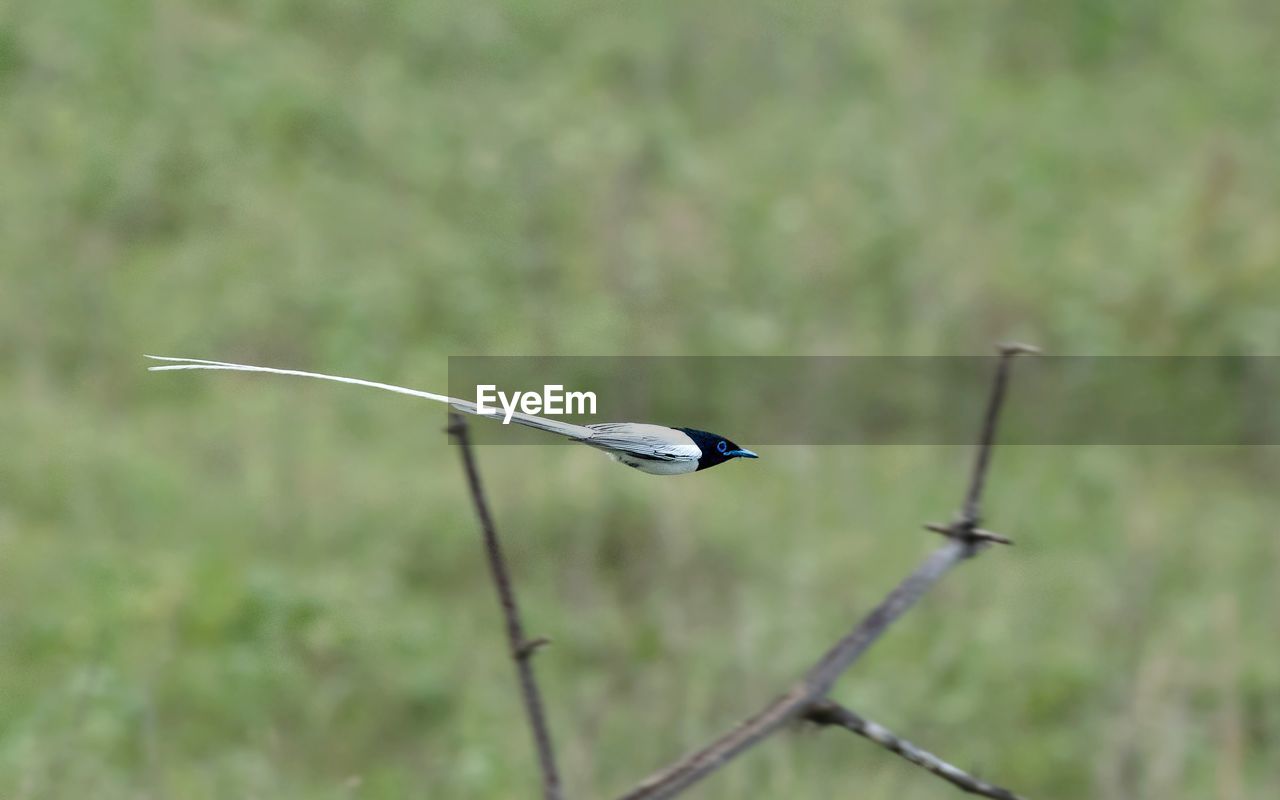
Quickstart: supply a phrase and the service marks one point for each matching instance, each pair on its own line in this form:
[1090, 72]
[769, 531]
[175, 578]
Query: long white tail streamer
[541, 423]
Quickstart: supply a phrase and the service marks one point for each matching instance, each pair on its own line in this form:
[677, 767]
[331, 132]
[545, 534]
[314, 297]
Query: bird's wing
[651, 442]
[541, 423]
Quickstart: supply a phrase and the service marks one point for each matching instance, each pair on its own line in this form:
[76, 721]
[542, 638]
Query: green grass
[218, 586]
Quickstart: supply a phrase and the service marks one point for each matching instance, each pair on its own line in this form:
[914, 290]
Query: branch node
[967, 533]
[457, 427]
[531, 646]
[821, 712]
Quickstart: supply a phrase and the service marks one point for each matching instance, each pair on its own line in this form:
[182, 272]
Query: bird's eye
[723, 446]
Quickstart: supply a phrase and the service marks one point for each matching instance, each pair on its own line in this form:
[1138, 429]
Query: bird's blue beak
[741, 454]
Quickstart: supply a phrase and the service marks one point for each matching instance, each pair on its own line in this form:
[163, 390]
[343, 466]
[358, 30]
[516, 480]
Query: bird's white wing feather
[579, 432]
[652, 442]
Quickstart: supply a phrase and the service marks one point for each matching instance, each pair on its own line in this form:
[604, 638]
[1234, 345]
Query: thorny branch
[522, 648]
[807, 698]
[828, 712]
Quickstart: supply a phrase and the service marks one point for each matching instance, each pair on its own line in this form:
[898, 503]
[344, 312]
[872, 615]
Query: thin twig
[522, 648]
[963, 542]
[972, 513]
[828, 712]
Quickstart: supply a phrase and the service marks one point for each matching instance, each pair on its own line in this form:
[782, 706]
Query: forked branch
[808, 696]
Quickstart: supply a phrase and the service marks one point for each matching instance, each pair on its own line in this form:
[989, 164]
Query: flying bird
[654, 449]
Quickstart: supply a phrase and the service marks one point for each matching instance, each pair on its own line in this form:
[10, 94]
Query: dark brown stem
[522, 648]
[971, 515]
[828, 712]
[963, 542]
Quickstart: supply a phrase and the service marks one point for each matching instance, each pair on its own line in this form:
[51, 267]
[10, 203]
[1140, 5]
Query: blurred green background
[217, 586]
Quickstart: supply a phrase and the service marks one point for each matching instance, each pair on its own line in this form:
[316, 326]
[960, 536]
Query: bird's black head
[715, 448]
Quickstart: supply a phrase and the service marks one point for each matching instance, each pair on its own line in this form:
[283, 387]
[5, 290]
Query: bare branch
[828, 712]
[812, 688]
[522, 649]
[972, 513]
[964, 540]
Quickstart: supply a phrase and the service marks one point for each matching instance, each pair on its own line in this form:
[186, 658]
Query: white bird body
[654, 449]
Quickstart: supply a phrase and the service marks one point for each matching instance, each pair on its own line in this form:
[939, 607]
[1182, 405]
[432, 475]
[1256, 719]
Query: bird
[652, 449]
